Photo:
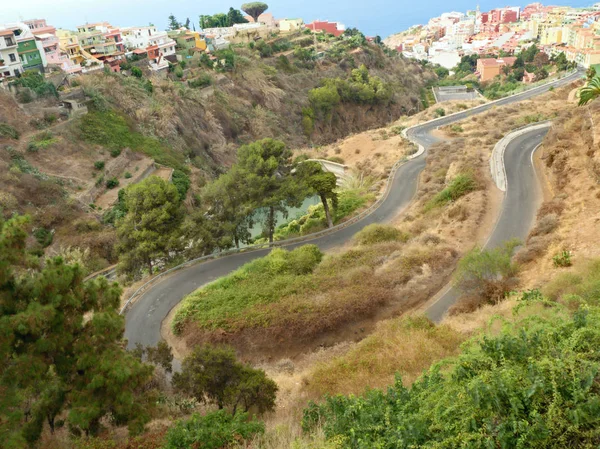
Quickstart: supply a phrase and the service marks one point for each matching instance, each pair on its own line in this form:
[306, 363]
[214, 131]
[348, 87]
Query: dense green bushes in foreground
[533, 385]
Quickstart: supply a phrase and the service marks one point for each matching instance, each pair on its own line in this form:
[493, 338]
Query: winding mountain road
[145, 316]
[519, 207]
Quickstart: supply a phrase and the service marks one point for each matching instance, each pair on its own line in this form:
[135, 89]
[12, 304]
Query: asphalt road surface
[520, 205]
[144, 317]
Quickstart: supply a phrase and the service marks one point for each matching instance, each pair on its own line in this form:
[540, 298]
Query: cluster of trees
[531, 60]
[174, 24]
[221, 20]
[360, 88]
[231, 17]
[153, 229]
[63, 362]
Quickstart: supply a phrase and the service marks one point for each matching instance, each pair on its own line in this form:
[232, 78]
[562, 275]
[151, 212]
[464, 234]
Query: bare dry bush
[535, 248]
[545, 225]
[458, 212]
[430, 239]
[555, 206]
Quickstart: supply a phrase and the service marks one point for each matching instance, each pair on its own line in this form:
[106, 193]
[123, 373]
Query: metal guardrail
[350, 222]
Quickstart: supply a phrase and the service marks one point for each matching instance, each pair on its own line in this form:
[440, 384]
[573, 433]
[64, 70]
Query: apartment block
[161, 50]
[10, 63]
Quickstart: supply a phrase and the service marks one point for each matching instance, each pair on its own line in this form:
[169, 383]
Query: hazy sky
[373, 17]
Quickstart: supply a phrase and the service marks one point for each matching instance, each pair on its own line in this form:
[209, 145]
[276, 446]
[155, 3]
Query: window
[9, 41]
[12, 57]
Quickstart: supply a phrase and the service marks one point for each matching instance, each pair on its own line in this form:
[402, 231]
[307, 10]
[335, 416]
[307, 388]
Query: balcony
[50, 42]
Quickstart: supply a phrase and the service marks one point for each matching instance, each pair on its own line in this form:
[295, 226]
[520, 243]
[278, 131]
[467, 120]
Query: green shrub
[182, 182]
[460, 186]
[24, 96]
[397, 130]
[456, 128]
[562, 259]
[128, 175]
[204, 80]
[336, 159]
[99, 165]
[215, 430]
[585, 286]
[487, 275]
[115, 152]
[440, 112]
[41, 141]
[43, 236]
[349, 201]
[136, 71]
[531, 384]
[377, 233]
[34, 80]
[8, 131]
[112, 183]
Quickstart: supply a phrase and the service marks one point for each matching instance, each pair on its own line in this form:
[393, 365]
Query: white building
[446, 58]
[160, 48]
[138, 37]
[10, 64]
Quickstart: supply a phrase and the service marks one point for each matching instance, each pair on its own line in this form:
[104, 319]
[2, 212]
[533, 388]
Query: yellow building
[199, 43]
[286, 25]
[552, 36]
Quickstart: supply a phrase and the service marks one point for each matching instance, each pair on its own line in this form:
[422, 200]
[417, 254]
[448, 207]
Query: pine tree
[173, 23]
[321, 183]
[61, 348]
[150, 232]
[267, 165]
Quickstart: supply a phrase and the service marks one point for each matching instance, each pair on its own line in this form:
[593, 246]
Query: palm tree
[590, 91]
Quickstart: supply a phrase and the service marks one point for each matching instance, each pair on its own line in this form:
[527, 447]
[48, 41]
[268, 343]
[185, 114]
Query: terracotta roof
[139, 51]
[6, 33]
[488, 62]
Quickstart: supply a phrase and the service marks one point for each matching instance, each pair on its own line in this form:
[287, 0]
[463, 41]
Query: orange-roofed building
[335, 28]
[489, 68]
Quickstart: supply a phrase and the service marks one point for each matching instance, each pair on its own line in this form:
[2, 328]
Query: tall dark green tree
[61, 348]
[235, 16]
[151, 230]
[321, 183]
[231, 205]
[173, 23]
[267, 165]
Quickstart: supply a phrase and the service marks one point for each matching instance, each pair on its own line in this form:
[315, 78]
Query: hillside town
[36, 45]
[505, 32]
